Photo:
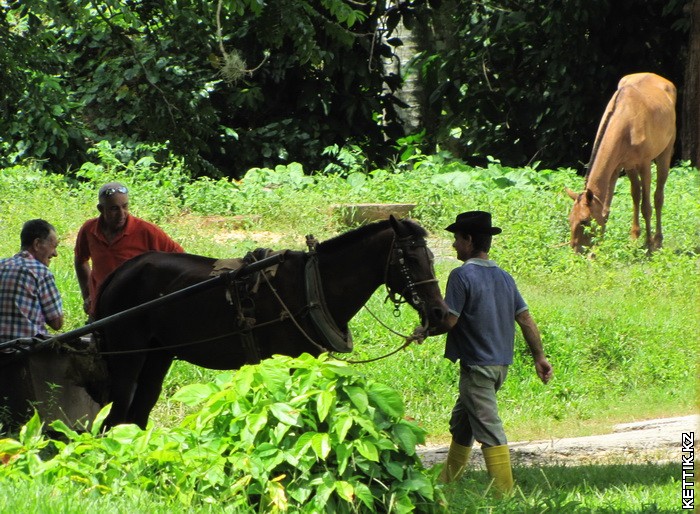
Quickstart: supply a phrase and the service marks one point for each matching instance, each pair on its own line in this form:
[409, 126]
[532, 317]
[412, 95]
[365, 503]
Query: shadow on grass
[605, 489]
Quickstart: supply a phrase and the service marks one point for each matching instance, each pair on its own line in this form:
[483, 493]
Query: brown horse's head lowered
[588, 208]
[638, 127]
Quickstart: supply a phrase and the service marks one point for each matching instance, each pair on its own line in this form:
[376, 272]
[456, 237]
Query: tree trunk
[690, 117]
[410, 93]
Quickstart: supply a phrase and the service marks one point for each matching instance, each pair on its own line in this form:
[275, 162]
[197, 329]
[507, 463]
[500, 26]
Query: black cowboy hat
[474, 222]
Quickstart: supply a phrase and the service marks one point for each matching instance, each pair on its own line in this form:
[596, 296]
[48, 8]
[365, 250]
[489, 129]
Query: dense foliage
[529, 81]
[229, 85]
[233, 84]
[299, 435]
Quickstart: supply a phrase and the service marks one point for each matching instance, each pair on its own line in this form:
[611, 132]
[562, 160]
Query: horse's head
[587, 208]
[410, 274]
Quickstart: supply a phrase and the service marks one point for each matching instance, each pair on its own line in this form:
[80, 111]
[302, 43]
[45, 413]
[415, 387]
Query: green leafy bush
[290, 434]
[154, 176]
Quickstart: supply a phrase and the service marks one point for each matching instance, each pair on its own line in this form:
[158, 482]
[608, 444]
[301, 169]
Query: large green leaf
[286, 413]
[324, 402]
[358, 397]
[406, 437]
[321, 445]
[194, 394]
[367, 449]
[387, 399]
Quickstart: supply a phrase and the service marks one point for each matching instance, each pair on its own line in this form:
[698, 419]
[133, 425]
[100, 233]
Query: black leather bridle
[396, 264]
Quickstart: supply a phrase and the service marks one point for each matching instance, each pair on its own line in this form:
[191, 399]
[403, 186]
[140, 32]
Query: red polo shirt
[139, 236]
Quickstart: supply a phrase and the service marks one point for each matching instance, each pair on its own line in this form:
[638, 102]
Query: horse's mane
[367, 231]
[601, 133]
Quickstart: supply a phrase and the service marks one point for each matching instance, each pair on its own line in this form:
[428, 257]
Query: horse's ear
[398, 227]
[589, 196]
[572, 194]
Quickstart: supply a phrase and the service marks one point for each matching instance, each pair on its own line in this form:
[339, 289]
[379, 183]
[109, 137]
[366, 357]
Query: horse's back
[149, 275]
[650, 84]
[640, 121]
[649, 99]
[164, 263]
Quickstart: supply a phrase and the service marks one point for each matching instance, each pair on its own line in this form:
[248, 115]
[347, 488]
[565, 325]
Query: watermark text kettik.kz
[688, 470]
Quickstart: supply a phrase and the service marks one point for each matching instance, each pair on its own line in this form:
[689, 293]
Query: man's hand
[544, 369]
[418, 336]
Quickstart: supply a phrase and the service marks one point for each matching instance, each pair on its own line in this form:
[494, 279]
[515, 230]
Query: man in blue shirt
[484, 307]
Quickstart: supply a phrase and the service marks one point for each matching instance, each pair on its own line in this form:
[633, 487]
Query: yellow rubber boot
[497, 460]
[457, 458]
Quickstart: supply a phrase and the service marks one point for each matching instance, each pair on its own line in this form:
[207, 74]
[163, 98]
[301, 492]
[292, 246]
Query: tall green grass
[620, 329]
[615, 488]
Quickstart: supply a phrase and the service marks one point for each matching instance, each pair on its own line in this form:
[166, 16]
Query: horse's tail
[601, 134]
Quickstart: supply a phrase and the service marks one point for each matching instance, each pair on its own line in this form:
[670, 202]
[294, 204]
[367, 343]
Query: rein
[418, 336]
[396, 256]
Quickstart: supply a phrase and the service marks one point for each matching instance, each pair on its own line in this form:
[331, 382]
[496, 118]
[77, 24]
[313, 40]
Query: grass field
[620, 329]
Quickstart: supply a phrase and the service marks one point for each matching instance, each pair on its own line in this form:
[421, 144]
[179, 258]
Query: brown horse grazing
[639, 126]
[279, 312]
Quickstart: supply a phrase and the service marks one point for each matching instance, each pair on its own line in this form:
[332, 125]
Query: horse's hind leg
[149, 387]
[663, 164]
[645, 181]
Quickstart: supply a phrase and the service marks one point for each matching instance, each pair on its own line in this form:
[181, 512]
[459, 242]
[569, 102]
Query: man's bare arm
[534, 341]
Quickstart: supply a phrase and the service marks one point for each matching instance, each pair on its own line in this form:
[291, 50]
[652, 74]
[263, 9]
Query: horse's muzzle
[435, 319]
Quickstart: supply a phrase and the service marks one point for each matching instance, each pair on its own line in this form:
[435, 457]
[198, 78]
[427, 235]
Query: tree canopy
[233, 84]
[529, 80]
[229, 85]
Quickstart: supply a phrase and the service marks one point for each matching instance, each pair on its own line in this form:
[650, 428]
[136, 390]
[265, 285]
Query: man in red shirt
[105, 242]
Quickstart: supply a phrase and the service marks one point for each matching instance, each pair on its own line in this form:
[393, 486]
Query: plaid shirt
[28, 297]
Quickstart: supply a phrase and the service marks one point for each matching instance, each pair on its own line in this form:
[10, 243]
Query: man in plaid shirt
[29, 298]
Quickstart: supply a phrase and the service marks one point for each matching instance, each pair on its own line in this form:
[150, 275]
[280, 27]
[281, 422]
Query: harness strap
[237, 296]
[240, 294]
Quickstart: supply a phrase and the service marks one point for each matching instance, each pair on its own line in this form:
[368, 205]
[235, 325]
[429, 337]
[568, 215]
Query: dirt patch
[262, 237]
[657, 440]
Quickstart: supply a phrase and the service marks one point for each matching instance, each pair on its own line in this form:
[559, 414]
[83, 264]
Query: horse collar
[333, 337]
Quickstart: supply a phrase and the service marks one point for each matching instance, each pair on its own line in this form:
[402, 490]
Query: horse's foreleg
[149, 387]
[636, 190]
[122, 375]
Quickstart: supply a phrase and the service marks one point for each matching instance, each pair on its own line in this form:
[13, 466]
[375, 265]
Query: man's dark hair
[34, 229]
[481, 242]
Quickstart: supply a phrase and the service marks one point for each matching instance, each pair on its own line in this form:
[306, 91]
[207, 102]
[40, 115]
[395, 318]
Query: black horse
[304, 306]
